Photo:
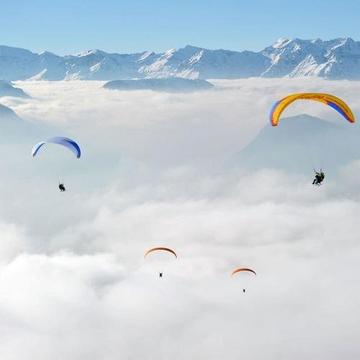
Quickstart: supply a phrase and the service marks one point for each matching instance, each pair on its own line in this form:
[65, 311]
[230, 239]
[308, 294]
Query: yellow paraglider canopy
[339, 105]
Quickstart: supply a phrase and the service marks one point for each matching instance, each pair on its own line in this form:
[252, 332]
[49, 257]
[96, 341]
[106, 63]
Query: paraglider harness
[319, 177]
[62, 187]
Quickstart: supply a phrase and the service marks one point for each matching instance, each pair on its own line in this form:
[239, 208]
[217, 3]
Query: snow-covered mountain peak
[281, 42]
[196, 57]
[83, 53]
[169, 53]
[346, 45]
[145, 55]
[47, 53]
[90, 52]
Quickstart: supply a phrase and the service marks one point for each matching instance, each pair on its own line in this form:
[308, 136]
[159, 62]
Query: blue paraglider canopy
[68, 143]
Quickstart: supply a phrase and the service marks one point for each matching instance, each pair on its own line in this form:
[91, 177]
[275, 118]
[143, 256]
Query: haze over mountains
[7, 89]
[17, 131]
[301, 143]
[333, 59]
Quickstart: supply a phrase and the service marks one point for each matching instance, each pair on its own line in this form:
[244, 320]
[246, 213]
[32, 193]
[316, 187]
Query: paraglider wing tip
[36, 148]
[273, 120]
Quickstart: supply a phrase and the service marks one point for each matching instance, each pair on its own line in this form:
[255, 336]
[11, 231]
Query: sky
[68, 26]
[74, 283]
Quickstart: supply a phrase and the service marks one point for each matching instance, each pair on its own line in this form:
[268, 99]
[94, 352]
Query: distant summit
[168, 85]
[15, 130]
[301, 143]
[7, 89]
[6, 113]
[331, 59]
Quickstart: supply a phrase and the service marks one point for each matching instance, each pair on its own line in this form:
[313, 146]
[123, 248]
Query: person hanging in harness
[319, 177]
[62, 187]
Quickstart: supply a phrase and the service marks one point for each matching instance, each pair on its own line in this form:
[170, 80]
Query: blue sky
[66, 26]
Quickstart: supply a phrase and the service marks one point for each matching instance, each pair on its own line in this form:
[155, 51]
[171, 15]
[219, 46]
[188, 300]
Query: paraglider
[60, 140]
[161, 249]
[319, 177]
[243, 270]
[333, 101]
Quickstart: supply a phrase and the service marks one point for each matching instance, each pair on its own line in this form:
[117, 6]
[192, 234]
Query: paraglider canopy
[160, 248]
[333, 101]
[60, 140]
[238, 270]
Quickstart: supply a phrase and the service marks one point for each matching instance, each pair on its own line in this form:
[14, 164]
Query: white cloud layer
[73, 280]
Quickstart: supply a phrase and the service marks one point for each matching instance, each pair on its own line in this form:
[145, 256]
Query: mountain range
[332, 59]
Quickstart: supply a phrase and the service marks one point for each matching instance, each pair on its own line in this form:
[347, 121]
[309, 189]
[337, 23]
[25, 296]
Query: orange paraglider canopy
[242, 269]
[160, 248]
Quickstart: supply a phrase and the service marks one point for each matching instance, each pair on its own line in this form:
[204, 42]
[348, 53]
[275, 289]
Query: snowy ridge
[332, 59]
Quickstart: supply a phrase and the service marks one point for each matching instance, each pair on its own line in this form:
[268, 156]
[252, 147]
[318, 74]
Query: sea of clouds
[73, 280]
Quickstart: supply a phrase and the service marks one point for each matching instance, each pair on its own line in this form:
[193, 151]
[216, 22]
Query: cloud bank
[73, 280]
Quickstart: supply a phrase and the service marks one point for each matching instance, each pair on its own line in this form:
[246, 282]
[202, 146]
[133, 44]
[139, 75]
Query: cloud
[149, 126]
[73, 280]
